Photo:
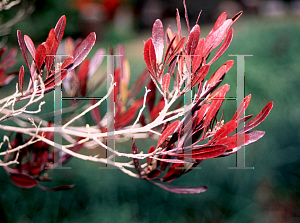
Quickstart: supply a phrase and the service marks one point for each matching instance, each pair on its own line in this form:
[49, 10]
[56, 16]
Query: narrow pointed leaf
[23, 48]
[181, 190]
[30, 46]
[250, 136]
[224, 46]
[199, 75]
[242, 107]
[60, 28]
[166, 82]
[59, 188]
[149, 57]
[176, 50]
[169, 49]
[178, 23]
[219, 97]
[202, 111]
[173, 172]
[149, 159]
[83, 49]
[22, 180]
[21, 78]
[236, 16]
[158, 40]
[228, 128]
[198, 55]
[221, 19]
[220, 73]
[40, 56]
[186, 16]
[51, 47]
[259, 118]
[171, 128]
[136, 162]
[82, 76]
[216, 36]
[192, 41]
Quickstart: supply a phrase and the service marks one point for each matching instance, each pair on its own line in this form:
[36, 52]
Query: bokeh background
[268, 30]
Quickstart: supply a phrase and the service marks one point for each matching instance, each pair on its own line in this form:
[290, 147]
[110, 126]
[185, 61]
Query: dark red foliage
[34, 162]
[44, 56]
[173, 154]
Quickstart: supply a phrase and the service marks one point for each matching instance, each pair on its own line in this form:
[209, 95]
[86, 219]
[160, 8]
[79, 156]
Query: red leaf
[63, 187]
[198, 57]
[221, 19]
[23, 49]
[21, 78]
[176, 50]
[181, 190]
[228, 128]
[82, 76]
[169, 49]
[216, 36]
[22, 180]
[218, 99]
[212, 152]
[66, 64]
[60, 28]
[199, 75]
[136, 162]
[171, 128]
[223, 47]
[51, 47]
[30, 46]
[83, 49]
[236, 16]
[202, 111]
[219, 74]
[149, 160]
[242, 107]
[259, 118]
[149, 57]
[192, 41]
[250, 137]
[154, 173]
[173, 172]
[40, 56]
[186, 16]
[178, 23]
[158, 40]
[50, 81]
[166, 82]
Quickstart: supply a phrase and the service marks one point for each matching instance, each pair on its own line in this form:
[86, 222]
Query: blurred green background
[268, 193]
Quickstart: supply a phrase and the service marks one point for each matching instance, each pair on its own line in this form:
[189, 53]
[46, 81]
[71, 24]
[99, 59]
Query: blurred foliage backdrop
[268, 193]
